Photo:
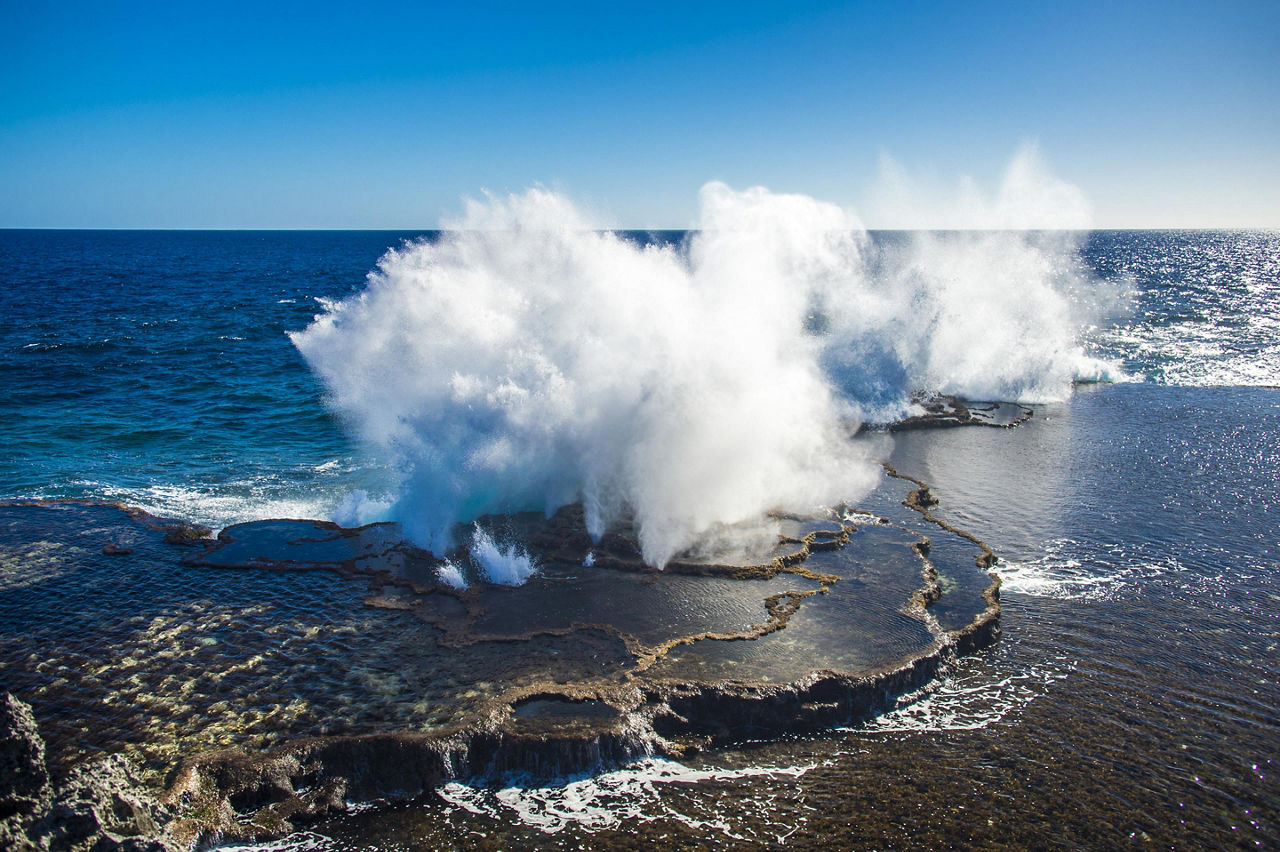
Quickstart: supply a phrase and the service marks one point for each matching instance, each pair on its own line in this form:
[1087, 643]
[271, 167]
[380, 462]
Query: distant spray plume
[524, 360]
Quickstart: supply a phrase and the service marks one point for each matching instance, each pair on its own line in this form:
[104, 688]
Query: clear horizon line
[869, 228]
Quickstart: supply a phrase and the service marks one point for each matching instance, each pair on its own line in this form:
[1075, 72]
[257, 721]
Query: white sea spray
[505, 564]
[451, 575]
[524, 359]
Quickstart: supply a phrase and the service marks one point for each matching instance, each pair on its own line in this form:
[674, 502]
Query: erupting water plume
[525, 360]
[508, 565]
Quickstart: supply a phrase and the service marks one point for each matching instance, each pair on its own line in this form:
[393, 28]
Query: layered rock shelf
[284, 669]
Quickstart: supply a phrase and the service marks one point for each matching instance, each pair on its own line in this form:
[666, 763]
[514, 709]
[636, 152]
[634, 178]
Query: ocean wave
[220, 506]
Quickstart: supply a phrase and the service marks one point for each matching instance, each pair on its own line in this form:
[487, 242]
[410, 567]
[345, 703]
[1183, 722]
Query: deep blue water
[154, 367]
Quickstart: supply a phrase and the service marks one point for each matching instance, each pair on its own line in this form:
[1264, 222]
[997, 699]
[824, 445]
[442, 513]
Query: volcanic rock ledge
[549, 729]
[100, 806]
[250, 663]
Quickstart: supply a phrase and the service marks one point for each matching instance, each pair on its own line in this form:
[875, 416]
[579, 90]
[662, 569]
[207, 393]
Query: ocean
[229, 377]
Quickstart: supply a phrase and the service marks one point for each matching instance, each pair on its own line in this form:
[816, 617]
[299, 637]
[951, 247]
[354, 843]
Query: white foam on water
[643, 791]
[968, 701]
[1198, 353]
[216, 506]
[605, 801]
[298, 841]
[1061, 572]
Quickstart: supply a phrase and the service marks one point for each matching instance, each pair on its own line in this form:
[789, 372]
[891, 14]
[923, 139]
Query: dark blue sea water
[154, 367]
[1132, 699]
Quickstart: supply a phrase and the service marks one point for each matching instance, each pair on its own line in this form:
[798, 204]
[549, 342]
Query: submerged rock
[839, 582]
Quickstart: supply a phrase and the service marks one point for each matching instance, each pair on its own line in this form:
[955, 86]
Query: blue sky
[384, 115]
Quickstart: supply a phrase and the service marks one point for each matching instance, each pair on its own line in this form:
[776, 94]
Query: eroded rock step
[318, 654]
[962, 574]
[861, 622]
[140, 654]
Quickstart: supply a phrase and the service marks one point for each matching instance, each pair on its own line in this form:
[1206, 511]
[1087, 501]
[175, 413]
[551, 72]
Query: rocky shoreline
[101, 805]
[545, 727]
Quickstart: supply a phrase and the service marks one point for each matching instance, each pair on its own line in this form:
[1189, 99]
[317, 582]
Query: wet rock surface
[24, 780]
[941, 411]
[101, 805]
[272, 675]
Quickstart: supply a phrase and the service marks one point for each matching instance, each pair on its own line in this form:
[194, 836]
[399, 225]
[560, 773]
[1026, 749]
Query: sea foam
[524, 359]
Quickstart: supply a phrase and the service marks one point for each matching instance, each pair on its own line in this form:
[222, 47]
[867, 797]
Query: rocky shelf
[284, 669]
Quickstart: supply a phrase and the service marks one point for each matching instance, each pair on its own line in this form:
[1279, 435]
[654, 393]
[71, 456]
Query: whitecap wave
[220, 506]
